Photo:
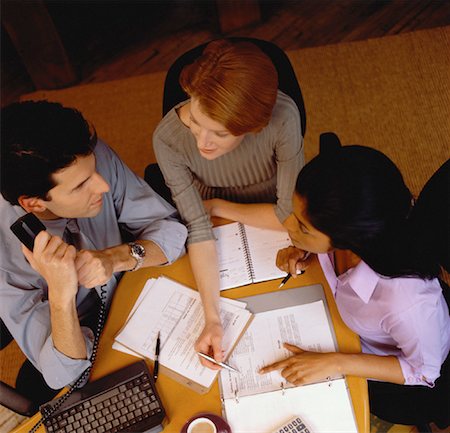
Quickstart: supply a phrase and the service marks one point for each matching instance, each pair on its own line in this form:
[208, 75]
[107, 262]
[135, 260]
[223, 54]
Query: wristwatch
[137, 251]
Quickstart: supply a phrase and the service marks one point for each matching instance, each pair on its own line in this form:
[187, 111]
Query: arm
[287, 151]
[203, 258]
[55, 261]
[96, 267]
[260, 215]
[139, 211]
[308, 367]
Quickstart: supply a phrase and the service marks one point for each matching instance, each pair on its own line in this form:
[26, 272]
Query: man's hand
[210, 343]
[94, 268]
[291, 260]
[305, 367]
[55, 261]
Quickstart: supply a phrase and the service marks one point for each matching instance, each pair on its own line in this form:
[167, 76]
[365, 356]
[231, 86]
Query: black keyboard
[123, 401]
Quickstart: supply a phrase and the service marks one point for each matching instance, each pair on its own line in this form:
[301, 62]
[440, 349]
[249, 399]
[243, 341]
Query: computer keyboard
[123, 401]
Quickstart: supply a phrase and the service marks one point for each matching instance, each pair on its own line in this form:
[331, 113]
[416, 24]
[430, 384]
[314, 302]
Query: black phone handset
[26, 228]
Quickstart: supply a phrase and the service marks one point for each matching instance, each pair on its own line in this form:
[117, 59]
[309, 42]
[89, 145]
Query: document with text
[261, 402]
[176, 312]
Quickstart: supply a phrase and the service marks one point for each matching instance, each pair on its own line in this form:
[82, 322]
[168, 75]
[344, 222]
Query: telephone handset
[26, 228]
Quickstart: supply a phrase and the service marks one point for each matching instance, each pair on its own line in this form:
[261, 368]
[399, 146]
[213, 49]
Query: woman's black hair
[357, 197]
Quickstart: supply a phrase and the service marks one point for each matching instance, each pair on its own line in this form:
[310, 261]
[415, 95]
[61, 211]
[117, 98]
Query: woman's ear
[32, 204]
[329, 144]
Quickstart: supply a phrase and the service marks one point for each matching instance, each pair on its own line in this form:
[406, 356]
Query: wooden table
[180, 402]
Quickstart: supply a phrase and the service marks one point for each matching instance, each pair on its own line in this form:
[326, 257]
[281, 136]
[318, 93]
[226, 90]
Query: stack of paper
[176, 312]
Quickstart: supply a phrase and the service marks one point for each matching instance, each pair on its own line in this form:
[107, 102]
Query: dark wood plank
[37, 41]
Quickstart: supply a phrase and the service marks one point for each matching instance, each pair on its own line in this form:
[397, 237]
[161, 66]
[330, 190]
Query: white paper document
[255, 403]
[176, 312]
[305, 326]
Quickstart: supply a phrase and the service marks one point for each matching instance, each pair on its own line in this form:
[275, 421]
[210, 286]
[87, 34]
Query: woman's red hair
[235, 83]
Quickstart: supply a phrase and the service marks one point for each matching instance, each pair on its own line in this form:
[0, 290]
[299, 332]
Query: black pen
[287, 277]
[156, 365]
[299, 272]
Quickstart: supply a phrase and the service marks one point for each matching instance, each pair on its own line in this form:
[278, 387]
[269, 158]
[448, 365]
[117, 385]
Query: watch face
[137, 250]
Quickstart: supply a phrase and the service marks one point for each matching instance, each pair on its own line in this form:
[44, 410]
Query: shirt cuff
[60, 370]
[413, 376]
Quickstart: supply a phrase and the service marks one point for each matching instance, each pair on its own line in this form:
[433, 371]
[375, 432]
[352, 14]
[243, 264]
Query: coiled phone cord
[85, 374]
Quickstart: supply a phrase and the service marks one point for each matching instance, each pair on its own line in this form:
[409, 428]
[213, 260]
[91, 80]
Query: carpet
[390, 93]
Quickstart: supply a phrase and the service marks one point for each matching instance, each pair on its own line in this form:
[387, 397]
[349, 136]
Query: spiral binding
[248, 256]
[101, 320]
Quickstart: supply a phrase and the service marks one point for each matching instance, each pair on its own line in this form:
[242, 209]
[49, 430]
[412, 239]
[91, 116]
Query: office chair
[30, 390]
[174, 94]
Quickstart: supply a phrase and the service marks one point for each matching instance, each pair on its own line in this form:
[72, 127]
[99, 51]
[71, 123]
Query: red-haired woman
[233, 150]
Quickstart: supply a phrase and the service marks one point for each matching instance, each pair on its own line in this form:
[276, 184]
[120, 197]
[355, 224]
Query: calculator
[294, 425]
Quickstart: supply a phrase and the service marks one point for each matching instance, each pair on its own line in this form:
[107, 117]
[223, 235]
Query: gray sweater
[262, 169]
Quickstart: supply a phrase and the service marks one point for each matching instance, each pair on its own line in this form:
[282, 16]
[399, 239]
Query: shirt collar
[362, 279]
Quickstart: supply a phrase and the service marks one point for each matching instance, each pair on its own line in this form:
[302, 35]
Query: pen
[300, 272]
[287, 277]
[222, 364]
[156, 365]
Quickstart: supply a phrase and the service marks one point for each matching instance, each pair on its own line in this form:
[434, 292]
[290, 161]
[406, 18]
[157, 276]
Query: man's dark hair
[37, 140]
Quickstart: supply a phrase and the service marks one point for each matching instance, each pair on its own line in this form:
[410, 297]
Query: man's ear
[32, 204]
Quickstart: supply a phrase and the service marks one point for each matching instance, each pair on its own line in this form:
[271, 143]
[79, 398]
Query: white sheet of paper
[264, 245]
[325, 407]
[305, 326]
[177, 313]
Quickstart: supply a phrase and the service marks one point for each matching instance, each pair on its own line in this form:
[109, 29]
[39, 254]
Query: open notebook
[260, 403]
[247, 254]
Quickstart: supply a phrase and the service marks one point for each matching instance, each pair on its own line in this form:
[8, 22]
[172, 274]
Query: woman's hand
[292, 260]
[305, 367]
[210, 343]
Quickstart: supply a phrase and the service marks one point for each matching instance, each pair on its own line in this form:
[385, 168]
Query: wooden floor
[109, 40]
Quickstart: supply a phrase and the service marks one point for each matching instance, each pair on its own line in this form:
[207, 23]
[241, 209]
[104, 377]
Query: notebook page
[176, 311]
[264, 245]
[325, 407]
[233, 269]
[305, 326]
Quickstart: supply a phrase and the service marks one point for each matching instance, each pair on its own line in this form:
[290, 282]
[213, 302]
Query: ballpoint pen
[156, 365]
[222, 364]
[287, 277]
[299, 272]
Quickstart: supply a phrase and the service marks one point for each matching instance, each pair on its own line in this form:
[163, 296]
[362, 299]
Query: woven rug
[391, 93]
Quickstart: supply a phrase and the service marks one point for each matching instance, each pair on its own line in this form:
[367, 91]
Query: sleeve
[139, 209]
[289, 157]
[185, 194]
[417, 332]
[26, 314]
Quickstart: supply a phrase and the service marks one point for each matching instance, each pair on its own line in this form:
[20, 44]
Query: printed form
[176, 312]
[305, 326]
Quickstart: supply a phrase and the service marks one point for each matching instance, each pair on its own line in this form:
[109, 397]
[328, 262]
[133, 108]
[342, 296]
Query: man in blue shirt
[92, 205]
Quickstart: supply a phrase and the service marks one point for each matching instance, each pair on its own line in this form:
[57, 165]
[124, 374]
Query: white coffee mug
[202, 425]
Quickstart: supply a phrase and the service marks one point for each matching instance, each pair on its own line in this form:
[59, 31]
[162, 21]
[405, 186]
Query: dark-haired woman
[353, 199]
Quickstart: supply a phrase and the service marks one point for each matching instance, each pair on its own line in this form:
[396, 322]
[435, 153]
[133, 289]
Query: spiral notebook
[247, 254]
